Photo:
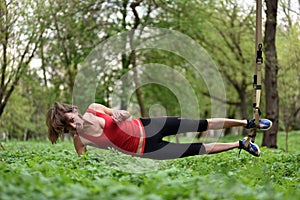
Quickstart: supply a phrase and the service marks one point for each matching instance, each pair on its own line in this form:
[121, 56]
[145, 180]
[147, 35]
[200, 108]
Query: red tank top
[126, 136]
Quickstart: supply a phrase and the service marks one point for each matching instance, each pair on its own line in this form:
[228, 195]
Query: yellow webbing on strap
[257, 79]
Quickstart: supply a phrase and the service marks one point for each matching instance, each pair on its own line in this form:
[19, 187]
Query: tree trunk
[271, 63]
[138, 91]
[26, 135]
[287, 138]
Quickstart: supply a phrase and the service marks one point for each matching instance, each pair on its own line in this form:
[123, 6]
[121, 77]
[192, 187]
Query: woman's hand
[79, 146]
[120, 115]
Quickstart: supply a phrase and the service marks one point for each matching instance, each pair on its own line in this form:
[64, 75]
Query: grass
[38, 170]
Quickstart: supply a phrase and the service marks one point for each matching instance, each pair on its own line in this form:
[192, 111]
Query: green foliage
[65, 32]
[25, 112]
[31, 170]
[16, 119]
[288, 45]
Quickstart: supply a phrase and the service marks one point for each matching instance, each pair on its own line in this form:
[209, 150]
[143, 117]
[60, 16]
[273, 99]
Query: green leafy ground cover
[39, 170]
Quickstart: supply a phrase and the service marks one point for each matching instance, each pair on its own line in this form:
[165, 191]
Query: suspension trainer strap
[257, 78]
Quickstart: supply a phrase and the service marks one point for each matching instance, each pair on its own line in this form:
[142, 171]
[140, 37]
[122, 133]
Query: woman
[103, 127]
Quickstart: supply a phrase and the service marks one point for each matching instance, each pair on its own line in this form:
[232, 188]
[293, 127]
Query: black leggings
[157, 128]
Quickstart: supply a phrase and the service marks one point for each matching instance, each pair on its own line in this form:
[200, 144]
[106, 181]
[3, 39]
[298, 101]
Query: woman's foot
[264, 124]
[251, 148]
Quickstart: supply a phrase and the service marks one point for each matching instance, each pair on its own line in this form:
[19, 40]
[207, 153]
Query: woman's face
[74, 121]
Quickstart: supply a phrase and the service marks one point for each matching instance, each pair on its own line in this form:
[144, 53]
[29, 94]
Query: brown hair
[56, 121]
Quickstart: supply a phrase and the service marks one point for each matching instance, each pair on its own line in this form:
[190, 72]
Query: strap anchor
[259, 58]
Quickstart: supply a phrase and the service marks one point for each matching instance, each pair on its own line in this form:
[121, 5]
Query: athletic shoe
[264, 124]
[252, 148]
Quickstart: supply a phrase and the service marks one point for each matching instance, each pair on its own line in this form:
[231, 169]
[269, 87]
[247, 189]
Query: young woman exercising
[103, 127]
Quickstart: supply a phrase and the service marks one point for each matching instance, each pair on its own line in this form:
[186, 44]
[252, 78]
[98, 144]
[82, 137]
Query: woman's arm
[117, 115]
[101, 108]
[79, 146]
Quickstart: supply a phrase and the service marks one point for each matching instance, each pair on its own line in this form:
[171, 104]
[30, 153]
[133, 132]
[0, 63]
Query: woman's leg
[220, 123]
[173, 125]
[165, 126]
[220, 147]
[167, 150]
[157, 128]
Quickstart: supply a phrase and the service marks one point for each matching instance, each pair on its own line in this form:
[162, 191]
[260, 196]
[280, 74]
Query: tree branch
[235, 103]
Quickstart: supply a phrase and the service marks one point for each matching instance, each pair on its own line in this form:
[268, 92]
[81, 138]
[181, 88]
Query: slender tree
[271, 64]
[20, 34]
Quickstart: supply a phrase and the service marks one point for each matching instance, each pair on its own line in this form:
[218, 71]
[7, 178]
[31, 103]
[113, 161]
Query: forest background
[45, 42]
